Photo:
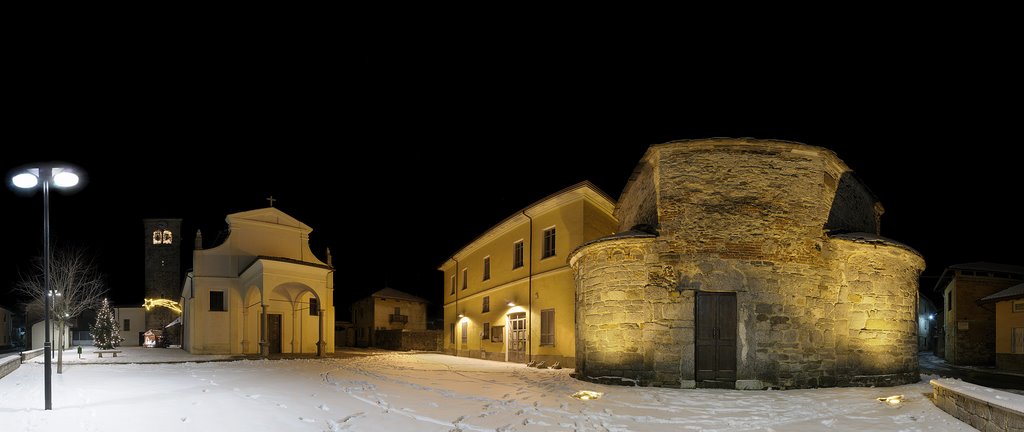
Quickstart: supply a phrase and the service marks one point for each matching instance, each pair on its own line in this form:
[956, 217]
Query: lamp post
[61, 177]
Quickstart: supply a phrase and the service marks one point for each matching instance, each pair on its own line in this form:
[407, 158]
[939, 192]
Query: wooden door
[716, 336]
[517, 337]
[274, 333]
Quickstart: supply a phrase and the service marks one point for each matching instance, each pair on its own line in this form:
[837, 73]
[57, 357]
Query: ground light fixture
[894, 400]
[62, 177]
[587, 395]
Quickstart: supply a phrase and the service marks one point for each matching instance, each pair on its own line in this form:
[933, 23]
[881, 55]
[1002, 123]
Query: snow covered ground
[424, 392]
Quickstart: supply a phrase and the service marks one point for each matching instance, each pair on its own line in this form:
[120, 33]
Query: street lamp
[61, 177]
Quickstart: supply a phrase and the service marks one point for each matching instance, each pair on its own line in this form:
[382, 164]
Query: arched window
[162, 236]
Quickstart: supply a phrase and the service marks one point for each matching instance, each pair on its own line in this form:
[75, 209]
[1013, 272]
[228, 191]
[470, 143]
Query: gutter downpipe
[529, 316]
[458, 320]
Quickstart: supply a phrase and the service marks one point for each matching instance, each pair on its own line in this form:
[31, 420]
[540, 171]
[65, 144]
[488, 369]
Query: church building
[261, 291]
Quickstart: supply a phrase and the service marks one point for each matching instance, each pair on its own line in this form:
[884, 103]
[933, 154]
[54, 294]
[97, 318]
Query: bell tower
[162, 238]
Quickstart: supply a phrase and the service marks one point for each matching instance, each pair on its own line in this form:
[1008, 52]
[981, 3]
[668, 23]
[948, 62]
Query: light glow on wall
[149, 304]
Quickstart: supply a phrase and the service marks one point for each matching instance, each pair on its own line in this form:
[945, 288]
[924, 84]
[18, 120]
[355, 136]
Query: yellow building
[509, 295]
[1009, 305]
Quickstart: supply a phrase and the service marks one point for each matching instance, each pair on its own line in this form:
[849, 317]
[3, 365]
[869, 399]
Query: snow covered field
[424, 392]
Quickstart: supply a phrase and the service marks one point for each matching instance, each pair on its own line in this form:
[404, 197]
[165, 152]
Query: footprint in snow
[281, 405]
[184, 419]
[253, 396]
[323, 407]
[506, 428]
[461, 418]
[307, 420]
[347, 418]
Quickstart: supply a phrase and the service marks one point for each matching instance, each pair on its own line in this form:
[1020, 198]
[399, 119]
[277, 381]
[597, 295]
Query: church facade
[746, 264]
[261, 291]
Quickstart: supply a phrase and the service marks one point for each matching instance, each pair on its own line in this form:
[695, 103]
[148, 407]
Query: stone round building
[748, 264]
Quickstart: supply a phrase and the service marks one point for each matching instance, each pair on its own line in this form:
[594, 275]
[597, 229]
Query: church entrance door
[274, 333]
[517, 337]
[716, 338]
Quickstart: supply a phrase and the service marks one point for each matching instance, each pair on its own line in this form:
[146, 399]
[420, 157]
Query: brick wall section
[398, 340]
[977, 344]
[750, 217]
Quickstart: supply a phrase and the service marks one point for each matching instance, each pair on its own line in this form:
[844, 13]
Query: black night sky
[394, 179]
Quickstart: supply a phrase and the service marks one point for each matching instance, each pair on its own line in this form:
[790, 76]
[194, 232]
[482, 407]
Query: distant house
[387, 309]
[6, 327]
[1009, 306]
[970, 327]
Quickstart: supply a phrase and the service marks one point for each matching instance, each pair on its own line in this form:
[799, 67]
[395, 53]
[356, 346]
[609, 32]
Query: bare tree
[75, 286]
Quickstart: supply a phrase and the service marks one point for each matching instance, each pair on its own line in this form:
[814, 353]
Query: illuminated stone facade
[747, 264]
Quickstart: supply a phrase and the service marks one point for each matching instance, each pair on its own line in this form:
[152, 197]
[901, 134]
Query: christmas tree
[105, 332]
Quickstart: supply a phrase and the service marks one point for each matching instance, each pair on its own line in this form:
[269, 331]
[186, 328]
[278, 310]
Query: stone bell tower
[162, 238]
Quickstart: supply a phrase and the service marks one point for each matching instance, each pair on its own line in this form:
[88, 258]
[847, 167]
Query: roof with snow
[396, 294]
[947, 274]
[1011, 293]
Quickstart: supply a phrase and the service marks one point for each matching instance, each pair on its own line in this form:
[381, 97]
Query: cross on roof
[271, 200]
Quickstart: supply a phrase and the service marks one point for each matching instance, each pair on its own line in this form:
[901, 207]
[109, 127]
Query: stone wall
[400, 340]
[975, 345]
[750, 218]
[9, 364]
[983, 408]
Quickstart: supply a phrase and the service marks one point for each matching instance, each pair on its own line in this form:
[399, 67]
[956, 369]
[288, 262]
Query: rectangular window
[487, 268]
[127, 325]
[549, 243]
[496, 333]
[1018, 306]
[314, 307]
[217, 301]
[398, 311]
[487, 304]
[465, 331]
[453, 286]
[517, 254]
[465, 277]
[1017, 344]
[547, 327]
[949, 300]
[451, 333]
[487, 331]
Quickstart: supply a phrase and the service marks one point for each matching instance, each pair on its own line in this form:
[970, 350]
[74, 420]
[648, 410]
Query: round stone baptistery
[750, 264]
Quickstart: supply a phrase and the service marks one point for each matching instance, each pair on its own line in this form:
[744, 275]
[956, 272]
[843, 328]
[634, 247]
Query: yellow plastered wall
[1006, 321]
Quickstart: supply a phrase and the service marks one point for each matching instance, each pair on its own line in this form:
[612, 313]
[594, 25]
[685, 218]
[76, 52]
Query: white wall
[136, 317]
[38, 336]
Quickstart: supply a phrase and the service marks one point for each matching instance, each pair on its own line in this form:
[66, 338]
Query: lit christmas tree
[105, 332]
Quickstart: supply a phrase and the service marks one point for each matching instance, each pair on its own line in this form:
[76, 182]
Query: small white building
[132, 321]
[38, 336]
[262, 291]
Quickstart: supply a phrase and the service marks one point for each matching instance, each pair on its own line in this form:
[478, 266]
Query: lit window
[465, 331]
[517, 254]
[487, 268]
[314, 307]
[158, 237]
[487, 304]
[549, 243]
[547, 327]
[167, 237]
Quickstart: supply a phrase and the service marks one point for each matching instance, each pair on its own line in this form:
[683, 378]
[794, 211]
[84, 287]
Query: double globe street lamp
[62, 177]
